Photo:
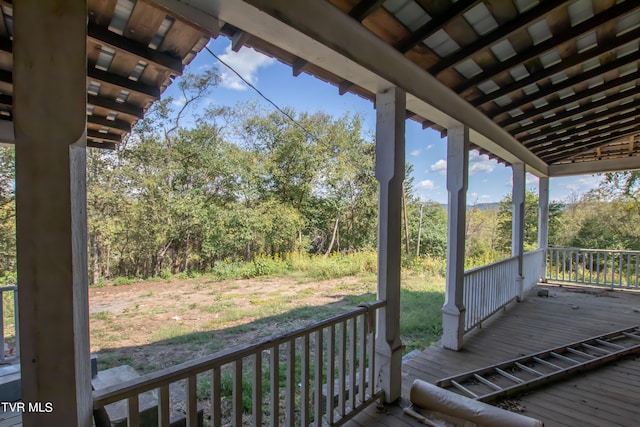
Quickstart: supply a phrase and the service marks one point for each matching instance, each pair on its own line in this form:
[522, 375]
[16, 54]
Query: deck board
[608, 396]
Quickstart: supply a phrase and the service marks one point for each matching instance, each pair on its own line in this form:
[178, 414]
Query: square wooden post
[49, 74]
[517, 223]
[390, 159]
[453, 311]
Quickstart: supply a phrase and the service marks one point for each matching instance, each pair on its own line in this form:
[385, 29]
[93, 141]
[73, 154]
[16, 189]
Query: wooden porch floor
[608, 396]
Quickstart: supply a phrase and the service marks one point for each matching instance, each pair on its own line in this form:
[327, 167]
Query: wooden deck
[607, 396]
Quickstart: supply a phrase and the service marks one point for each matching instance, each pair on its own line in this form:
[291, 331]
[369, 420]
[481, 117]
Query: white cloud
[480, 163]
[531, 179]
[429, 147]
[246, 62]
[426, 184]
[414, 153]
[440, 167]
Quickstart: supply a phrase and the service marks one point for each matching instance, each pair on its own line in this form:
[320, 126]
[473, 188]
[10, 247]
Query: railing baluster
[352, 363]
[2, 325]
[133, 412]
[598, 270]
[274, 379]
[371, 322]
[216, 399]
[304, 400]
[331, 365]
[636, 277]
[236, 393]
[192, 401]
[620, 262]
[342, 362]
[291, 383]
[16, 322]
[362, 381]
[164, 406]
[319, 349]
[256, 390]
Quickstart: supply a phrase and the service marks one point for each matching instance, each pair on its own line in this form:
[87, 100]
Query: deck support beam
[543, 219]
[453, 311]
[517, 223]
[390, 159]
[50, 132]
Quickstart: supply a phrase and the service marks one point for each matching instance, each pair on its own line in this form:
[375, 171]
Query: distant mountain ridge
[481, 206]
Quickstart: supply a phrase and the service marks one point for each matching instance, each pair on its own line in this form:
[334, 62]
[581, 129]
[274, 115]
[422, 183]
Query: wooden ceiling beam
[579, 96]
[575, 80]
[555, 156]
[573, 123]
[503, 31]
[117, 107]
[119, 124]
[123, 82]
[101, 145]
[436, 23]
[602, 48]
[298, 66]
[584, 27]
[108, 137]
[102, 36]
[589, 106]
[364, 8]
[239, 39]
[591, 129]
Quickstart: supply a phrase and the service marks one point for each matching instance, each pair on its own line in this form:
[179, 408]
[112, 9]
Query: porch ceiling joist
[122, 125]
[570, 82]
[597, 166]
[301, 29]
[489, 39]
[576, 97]
[117, 107]
[587, 26]
[107, 137]
[580, 146]
[123, 82]
[588, 131]
[586, 107]
[603, 48]
[104, 37]
[570, 125]
[364, 9]
[435, 24]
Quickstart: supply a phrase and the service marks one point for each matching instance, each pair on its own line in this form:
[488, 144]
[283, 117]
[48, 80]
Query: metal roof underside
[546, 82]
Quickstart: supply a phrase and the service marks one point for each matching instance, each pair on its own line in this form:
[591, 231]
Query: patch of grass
[123, 281]
[101, 315]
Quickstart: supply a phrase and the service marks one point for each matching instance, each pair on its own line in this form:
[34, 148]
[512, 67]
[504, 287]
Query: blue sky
[488, 180]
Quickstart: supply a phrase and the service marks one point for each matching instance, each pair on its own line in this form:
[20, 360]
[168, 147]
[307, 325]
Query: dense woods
[197, 184]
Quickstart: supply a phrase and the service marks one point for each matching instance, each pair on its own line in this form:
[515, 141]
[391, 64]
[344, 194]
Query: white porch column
[49, 75]
[543, 220]
[390, 158]
[517, 222]
[453, 311]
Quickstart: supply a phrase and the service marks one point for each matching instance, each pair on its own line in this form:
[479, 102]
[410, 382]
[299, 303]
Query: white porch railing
[533, 268]
[487, 289]
[613, 268]
[3, 321]
[328, 372]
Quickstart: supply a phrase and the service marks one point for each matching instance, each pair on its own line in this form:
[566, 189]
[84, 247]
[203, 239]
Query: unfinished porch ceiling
[134, 50]
[560, 77]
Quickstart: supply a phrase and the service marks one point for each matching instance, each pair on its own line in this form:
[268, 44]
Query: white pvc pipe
[431, 397]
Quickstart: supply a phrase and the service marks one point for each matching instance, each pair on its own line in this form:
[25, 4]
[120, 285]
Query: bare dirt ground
[152, 325]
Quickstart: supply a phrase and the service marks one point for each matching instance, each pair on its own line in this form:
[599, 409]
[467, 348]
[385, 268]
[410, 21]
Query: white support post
[517, 223]
[543, 220]
[390, 159]
[453, 311]
[49, 75]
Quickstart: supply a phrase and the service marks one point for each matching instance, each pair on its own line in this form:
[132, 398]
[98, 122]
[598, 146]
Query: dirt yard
[152, 325]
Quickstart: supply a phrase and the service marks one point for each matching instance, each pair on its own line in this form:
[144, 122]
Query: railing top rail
[8, 288]
[493, 264]
[624, 251]
[171, 374]
[535, 251]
